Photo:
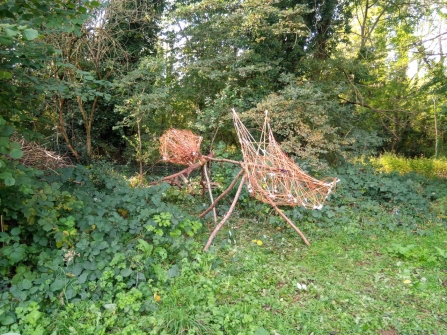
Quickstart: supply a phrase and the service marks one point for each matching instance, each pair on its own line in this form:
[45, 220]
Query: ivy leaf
[83, 278]
[57, 285]
[11, 32]
[109, 306]
[30, 34]
[173, 271]
[26, 284]
[16, 153]
[6, 131]
[9, 181]
[5, 175]
[18, 254]
[5, 75]
[16, 231]
[5, 40]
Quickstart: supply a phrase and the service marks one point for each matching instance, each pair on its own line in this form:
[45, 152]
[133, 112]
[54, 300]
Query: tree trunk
[140, 151]
[61, 129]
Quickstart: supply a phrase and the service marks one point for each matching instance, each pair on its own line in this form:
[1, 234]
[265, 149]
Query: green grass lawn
[352, 281]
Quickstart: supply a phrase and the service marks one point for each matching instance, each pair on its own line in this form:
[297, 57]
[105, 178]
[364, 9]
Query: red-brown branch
[185, 172]
[214, 233]
[224, 193]
[287, 220]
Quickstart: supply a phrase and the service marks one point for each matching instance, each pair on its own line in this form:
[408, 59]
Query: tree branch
[224, 193]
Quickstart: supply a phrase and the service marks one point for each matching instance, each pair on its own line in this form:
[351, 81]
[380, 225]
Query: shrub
[86, 234]
[429, 167]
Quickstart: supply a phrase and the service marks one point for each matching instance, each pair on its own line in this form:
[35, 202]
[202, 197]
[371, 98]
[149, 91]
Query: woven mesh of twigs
[36, 156]
[271, 174]
[180, 147]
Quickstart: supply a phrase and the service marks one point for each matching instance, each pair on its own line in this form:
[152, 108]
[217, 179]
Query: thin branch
[288, 220]
[210, 192]
[215, 231]
[184, 172]
[224, 193]
[223, 160]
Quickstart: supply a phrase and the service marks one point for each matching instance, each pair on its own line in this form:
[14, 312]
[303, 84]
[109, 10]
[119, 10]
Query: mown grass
[357, 282]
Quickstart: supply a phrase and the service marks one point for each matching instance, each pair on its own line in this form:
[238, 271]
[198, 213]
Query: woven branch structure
[180, 147]
[272, 177]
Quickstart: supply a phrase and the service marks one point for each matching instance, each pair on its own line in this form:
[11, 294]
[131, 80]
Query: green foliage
[439, 207]
[146, 108]
[429, 167]
[390, 201]
[302, 116]
[68, 243]
[84, 252]
[23, 25]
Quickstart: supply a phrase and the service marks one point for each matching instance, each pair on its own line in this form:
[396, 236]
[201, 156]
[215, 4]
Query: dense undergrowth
[83, 252]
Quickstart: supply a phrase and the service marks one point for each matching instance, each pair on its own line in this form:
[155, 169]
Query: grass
[429, 167]
[356, 281]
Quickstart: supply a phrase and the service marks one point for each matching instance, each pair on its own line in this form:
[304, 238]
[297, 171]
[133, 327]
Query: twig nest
[180, 146]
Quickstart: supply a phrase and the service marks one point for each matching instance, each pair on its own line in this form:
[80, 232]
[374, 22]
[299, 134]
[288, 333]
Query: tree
[145, 106]
[109, 44]
[386, 38]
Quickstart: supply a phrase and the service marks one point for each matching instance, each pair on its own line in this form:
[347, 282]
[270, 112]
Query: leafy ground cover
[83, 252]
[259, 279]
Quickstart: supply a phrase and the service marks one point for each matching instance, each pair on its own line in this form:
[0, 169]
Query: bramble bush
[84, 234]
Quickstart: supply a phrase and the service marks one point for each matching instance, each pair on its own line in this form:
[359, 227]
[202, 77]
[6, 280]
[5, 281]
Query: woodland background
[354, 88]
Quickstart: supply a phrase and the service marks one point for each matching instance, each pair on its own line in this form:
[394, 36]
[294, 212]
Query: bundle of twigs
[36, 156]
[180, 147]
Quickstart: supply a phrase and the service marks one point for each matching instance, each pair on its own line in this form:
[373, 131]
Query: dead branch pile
[36, 156]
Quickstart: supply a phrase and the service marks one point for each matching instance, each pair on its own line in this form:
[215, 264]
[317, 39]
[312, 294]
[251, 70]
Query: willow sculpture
[271, 176]
[180, 147]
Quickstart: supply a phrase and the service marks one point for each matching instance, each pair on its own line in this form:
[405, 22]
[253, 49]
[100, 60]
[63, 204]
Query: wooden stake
[210, 192]
[214, 233]
[288, 221]
[224, 193]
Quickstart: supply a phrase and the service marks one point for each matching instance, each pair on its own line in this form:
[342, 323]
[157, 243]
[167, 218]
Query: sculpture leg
[224, 193]
[214, 233]
[288, 221]
[210, 192]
